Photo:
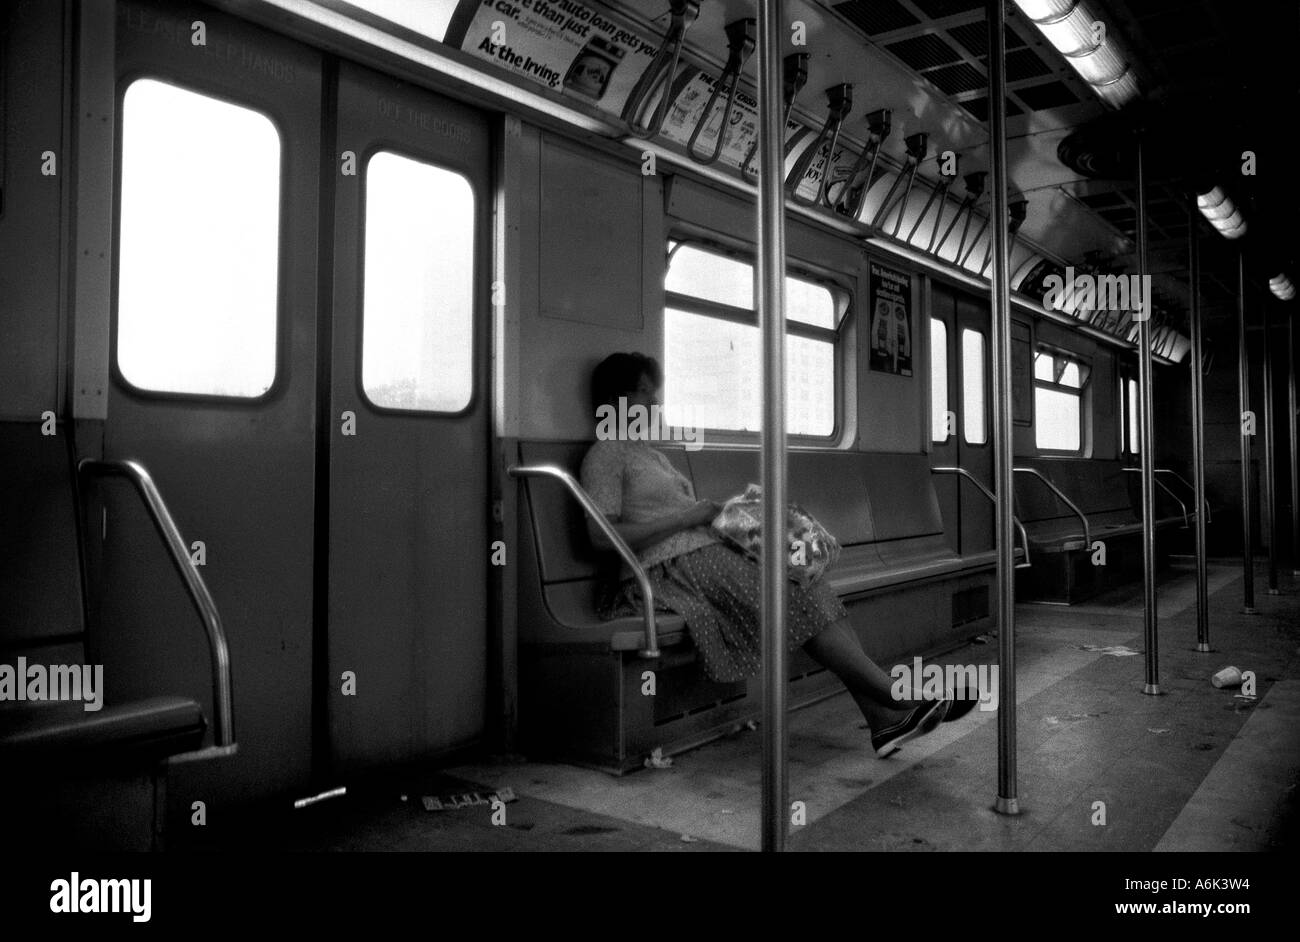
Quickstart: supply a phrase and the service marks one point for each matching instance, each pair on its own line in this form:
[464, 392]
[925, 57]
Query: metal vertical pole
[1270, 502]
[1008, 801]
[1295, 446]
[771, 319]
[1243, 404]
[1198, 430]
[1146, 430]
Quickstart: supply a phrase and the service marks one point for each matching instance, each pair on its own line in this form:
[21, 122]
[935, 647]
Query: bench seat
[581, 677]
[144, 730]
[1106, 494]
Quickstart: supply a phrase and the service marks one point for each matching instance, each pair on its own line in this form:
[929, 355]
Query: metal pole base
[1203, 647]
[1152, 690]
[1007, 805]
[1250, 611]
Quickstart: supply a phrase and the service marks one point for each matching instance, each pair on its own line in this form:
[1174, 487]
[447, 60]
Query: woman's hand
[648, 532]
[702, 514]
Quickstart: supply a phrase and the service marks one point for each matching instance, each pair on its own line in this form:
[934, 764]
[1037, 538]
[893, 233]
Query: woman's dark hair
[618, 375]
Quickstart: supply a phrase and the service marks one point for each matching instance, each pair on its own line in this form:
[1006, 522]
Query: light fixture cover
[1074, 29]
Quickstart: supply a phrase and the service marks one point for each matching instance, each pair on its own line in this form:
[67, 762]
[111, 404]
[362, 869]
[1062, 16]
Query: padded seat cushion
[152, 728]
[1096, 487]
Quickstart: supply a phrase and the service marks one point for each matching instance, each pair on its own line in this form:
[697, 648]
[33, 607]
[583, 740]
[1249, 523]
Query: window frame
[947, 385]
[249, 103]
[986, 382]
[1081, 392]
[1128, 375]
[401, 149]
[841, 296]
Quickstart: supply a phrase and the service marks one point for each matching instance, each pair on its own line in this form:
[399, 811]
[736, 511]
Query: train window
[973, 366]
[1131, 426]
[712, 347]
[1058, 402]
[417, 344]
[938, 380]
[197, 290]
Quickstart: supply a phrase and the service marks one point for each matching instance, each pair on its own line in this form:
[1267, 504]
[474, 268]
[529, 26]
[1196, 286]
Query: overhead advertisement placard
[563, 45]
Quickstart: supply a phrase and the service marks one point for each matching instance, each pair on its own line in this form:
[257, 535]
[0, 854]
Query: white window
[974, 361]
[417, 346]
[1131, 417]
[1058, 401]
[712, 347]
[199, 237]
[938, 380]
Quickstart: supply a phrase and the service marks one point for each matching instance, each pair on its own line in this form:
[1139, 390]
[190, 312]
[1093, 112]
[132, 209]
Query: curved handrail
[1087, 534]
[222, 696]
[651, 649]
[1205, 504]
[993, 498]
[1165, 487]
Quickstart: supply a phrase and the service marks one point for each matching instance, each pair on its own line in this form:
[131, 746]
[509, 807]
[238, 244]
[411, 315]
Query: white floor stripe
[1238, 804]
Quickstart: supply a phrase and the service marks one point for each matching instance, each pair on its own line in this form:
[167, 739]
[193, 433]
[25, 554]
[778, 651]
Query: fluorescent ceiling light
[1281, 286]
[1071, 27]
[1119, 92]
[1218, 208]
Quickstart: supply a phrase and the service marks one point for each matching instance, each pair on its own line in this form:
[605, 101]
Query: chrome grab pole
[1243, 405]
[1198, 431]
[1270, 504]
[1147, 432]
[771, 319]
[1295, 446]
[1003, 455]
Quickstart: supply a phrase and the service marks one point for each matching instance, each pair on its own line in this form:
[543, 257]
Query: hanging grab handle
[1018, 210]
[853, 190]
[917, 146]
[939, 193]
[661, 72]
[795, 72]
[839, 103]
[974, 190]
[741, 39]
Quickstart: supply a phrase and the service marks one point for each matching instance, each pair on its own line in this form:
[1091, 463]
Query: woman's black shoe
[923, 719]
[961, 701]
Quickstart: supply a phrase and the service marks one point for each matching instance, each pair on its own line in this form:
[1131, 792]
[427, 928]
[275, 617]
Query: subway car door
[972, 352]
[409, 439]
[212, 345]
[944, 401]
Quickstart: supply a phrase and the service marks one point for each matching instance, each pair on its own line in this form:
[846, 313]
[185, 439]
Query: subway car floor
[1101, 765]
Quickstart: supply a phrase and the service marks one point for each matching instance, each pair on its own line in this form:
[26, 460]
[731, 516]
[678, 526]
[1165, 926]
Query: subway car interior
[300, 548]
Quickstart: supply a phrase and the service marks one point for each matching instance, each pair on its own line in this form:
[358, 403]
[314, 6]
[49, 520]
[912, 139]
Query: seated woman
[711, 584]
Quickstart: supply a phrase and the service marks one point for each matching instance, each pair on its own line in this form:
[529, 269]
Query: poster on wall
[563, 45]
[891, 321]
